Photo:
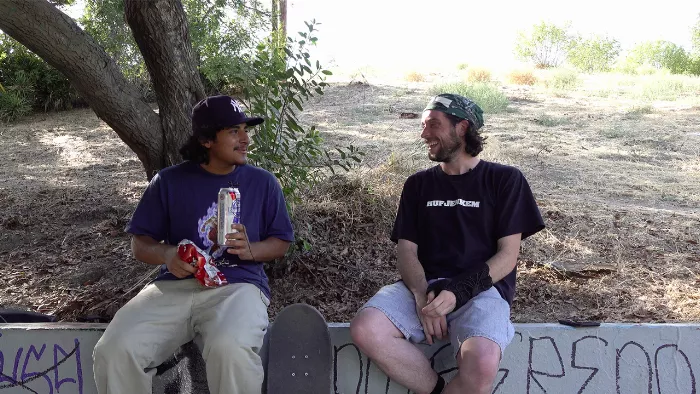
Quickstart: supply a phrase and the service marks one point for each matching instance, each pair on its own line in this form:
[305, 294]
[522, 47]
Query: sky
[424, 35]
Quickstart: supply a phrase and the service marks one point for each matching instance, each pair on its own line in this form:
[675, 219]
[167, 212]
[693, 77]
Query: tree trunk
[57, 39]
[275, 15]
[161, 32]
[283, 19]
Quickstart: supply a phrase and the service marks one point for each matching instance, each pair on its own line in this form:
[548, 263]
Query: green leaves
[30, 83]
[545, 44]
[593, 54]
[661, 54]
[284, 80]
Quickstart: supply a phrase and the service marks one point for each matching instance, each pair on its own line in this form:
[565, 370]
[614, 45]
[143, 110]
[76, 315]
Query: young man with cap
[181, 203]
[458, 229]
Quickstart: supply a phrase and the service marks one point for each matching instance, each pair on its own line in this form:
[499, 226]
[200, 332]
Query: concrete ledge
[543, 358]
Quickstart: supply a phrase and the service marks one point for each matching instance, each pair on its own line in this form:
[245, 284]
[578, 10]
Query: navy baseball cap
[219, 112]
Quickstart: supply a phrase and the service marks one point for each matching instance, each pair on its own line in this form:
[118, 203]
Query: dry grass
[617, 179]
[414, 76]
[478, 75]
[518, 77]
[618, 183]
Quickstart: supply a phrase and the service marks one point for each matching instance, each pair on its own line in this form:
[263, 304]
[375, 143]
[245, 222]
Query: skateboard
[300, 352]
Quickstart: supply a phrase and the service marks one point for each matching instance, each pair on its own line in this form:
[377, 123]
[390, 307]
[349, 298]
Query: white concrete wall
[614, 358]
[551, 358]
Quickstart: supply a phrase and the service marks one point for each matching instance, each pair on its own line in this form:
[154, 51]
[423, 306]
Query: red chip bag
[207, 274]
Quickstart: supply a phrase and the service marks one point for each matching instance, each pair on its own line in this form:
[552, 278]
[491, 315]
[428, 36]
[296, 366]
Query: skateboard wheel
[293, 374]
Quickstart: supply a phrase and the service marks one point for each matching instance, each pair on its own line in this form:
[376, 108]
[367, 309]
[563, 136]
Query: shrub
[19, 67]
[593, 54]
[664, 88]
[551, 121]
[694, 66]
[276, 86]
[639, 110]
[487, 95]
[478, 75]
[661, 55]
[563, 79]
[544, 45]
[522, 78]
[414, 76]
[13, 105]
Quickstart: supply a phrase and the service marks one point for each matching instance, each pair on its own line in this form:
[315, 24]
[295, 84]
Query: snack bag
[207, 274]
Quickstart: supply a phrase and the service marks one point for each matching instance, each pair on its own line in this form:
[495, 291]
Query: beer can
[229, 212]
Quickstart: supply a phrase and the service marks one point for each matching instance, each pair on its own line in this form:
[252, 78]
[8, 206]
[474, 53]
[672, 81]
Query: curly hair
[474, 141]
[194, 150]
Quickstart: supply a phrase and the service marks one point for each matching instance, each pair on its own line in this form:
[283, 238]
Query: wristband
[464, 286]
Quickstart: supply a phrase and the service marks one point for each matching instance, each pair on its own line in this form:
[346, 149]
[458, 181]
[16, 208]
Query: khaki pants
[231, 321]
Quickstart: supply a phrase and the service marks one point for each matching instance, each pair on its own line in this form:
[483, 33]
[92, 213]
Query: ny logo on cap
[235, 106]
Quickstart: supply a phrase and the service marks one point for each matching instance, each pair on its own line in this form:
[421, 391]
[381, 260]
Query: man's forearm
[412, 272]
[506, 258]
[269, 249]
[148, 250]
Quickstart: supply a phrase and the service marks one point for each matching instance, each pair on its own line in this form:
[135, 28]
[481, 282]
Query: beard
[448, 148]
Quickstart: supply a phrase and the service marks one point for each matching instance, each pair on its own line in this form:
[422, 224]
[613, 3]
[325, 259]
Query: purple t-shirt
[181, 203]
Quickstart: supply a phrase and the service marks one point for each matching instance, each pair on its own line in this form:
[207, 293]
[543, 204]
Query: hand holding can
[238, 243]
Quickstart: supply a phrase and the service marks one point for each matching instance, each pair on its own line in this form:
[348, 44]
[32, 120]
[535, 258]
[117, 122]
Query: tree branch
[161, 32]
[58, 40]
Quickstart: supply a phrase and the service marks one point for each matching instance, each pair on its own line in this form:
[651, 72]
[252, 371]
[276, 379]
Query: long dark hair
[474, 141]
[193, 149]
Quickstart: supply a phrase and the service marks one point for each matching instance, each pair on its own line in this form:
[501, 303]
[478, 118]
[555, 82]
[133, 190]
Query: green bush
[487, 95]
[551, 121]
[594, 54]
[276, 85]
[21, 68]
[563, 79]
[13, 105]
[661, 55]
[544, 45]
[668, 89]
[694, 66]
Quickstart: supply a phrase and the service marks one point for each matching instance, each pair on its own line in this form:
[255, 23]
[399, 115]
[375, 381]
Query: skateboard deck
[300, 352]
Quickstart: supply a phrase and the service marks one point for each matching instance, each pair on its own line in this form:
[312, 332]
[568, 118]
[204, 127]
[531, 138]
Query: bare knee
[478, 361]
[370, 329]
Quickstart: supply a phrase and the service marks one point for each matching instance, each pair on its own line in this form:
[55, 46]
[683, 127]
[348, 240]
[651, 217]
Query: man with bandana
[458, 228]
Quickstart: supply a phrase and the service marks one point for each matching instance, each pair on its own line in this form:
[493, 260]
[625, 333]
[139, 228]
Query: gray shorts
[486, 315]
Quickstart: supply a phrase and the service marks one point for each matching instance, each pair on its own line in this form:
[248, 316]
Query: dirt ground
[617, 180]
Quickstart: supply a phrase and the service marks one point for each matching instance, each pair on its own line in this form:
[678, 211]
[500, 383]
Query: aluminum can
[229, 212]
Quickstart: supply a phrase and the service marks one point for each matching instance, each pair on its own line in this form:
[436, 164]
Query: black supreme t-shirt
[456, 220]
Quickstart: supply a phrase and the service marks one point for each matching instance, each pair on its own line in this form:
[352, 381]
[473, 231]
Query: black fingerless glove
[464, 286]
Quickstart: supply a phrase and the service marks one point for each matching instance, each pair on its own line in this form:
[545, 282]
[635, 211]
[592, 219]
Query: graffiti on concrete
[41, 368]
[549, 365]
[542, 360]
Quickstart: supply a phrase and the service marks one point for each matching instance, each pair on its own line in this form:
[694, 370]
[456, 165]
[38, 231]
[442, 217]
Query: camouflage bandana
[458, 106]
